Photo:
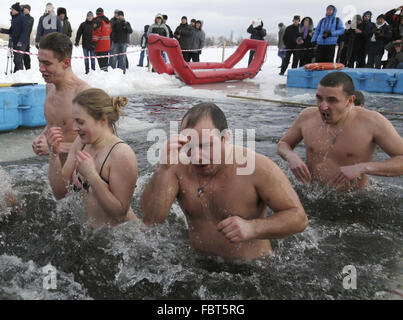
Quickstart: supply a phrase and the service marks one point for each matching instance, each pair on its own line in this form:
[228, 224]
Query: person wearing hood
[184, 34]
[144, 45]
[257, 32]
[26, 10]
[379, 36]
[62, 14]
[326, 34]
[18, 33]
[304, 44]
[85, 30]
[158, 27]
[48, 23]
[101, 35]
[396, 22]
[199, 38]
[290, 42]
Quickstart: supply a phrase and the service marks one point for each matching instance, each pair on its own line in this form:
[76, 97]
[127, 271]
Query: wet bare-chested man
[341, 139]
[63, 85]
[225, 208]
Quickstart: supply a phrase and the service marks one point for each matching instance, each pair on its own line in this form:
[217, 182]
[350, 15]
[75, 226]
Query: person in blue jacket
[48, 23]
[18, 34]
[326, 34]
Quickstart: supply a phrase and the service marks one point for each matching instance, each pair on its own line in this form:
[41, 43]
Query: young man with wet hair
[62, 85]
[341, 139]
[226, 209]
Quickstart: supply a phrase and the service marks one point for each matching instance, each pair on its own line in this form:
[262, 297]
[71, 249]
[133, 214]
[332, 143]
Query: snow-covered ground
[139, 80]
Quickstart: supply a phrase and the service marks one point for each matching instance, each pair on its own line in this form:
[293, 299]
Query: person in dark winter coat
[18, 33]
[379, 36]
[144, 45]
[165, 19]
[26, 9]
[280, 43]
[121, 31]
[184, 34]
[85, 30]
[396, 22]
[356, 44]
[113, 60]
[62, 14]
[290, 41]
[48, 23]
[326, 35]
[199, 38]
[304, 44]
[396, 59]
[101, 35]
[257, 32]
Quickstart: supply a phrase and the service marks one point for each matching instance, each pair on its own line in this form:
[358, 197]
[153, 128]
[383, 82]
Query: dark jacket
[48, 23]
[120, 31]
[170, 33]
[66, 27]
[378, 38]
[257, 33]
[290, 36]
[144, 38]
[85, 30]
[394, 21]
[304, 38]
[30, 24]
[185, 33]
[18, 31]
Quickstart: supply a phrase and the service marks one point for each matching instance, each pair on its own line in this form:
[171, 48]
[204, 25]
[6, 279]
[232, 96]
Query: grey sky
[220, 16]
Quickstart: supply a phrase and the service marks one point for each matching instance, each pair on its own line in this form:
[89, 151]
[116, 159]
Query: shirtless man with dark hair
[63, 85]
[226, 211]
[341, 139]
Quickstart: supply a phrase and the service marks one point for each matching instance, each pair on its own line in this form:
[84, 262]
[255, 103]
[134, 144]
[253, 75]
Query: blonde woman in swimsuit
[99, 164]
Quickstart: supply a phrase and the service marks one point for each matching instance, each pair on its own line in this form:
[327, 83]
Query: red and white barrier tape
[90, 57]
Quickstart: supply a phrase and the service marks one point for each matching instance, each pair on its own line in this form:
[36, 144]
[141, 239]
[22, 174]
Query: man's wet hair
[59, 43]
[205, 110]
[336, 79]
[359, 98]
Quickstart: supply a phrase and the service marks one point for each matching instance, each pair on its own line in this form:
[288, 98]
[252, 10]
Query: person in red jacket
[101, 36]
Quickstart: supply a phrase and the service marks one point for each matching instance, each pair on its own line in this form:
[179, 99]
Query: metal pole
[223, 51]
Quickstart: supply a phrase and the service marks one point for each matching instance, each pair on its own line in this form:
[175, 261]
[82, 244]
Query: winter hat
[332, 7]
[381, 16]
[165, 17]
[61, 11]
[120, 13]
[90, 13]
[16, 6]
[184, 17]
[99, 11]
[193, 20]
[116, 11]
[297, 18]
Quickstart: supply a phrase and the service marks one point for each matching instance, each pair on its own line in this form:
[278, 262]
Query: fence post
[223, 51]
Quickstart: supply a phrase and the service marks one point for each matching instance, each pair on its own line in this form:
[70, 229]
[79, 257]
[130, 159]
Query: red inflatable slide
[204, 72]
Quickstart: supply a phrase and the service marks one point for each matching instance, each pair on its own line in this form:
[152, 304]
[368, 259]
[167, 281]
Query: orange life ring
[323, 66]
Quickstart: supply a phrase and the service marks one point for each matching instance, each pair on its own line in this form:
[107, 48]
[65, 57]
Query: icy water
[363, 229]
